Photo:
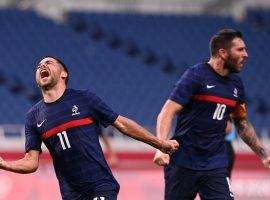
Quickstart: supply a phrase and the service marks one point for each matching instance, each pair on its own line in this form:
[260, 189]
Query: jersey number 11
[63, 137]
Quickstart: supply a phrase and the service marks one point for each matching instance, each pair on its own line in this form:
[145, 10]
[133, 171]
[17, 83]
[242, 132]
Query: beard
[48, 85]
[231, 64]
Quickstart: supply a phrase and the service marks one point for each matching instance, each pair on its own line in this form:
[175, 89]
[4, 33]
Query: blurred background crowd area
[130, 53]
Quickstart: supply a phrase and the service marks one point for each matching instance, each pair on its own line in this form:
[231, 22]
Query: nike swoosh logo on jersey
[39, 125]
[210, 86]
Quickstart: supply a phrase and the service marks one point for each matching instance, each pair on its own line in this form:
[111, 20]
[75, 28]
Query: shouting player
[68, 122]
[203, 99]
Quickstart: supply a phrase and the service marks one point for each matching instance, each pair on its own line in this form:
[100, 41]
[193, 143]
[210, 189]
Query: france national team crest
[75, 110]
[235, 93]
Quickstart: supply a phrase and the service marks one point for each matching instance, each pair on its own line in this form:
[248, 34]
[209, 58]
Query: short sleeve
[101, 112]
[185, 87]
[32, 139]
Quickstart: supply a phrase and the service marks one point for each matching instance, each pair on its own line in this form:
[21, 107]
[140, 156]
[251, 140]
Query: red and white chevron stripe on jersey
[66, 126]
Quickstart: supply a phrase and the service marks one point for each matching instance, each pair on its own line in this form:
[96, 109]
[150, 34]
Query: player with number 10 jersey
[208, 101]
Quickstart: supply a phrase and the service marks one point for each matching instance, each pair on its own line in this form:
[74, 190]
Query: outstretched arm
[248, 135]
[134, 130]
[28, 164]
[164, 123]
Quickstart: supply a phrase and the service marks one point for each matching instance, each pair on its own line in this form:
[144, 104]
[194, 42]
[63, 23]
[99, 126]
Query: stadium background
[130, 52]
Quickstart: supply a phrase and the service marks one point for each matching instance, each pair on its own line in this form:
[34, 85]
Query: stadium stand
[108, 52]
[259, 18]
[132, 62]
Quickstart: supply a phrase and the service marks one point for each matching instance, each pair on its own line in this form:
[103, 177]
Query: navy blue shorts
[184, 184]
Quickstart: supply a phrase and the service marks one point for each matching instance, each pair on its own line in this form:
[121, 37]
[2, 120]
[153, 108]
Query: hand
[266, 162]
[2, 163]
[169, 147]
[161, 158]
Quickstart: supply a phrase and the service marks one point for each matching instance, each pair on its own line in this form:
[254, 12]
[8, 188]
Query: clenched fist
[2, 163]
[169, 147]
[266, 162]
[161, 158]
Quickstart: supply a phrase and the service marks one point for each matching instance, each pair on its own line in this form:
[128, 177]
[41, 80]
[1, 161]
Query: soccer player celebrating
[68, 122]
[203, 99]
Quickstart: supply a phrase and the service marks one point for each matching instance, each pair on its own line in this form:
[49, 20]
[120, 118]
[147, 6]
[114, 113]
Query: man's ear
[64, 74]
[223, 53]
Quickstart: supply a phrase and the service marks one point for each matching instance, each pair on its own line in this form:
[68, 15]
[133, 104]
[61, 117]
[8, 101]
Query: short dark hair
[223, 39]
[61, 63]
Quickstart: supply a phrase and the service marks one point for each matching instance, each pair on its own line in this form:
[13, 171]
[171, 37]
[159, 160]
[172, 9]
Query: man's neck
[53, 94]
[218, 66]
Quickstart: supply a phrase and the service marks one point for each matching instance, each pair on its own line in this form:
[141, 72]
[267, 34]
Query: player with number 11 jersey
[69, 127]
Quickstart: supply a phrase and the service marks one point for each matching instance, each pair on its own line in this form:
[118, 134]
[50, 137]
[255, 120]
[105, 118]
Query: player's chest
[64, 115]
[220, 88]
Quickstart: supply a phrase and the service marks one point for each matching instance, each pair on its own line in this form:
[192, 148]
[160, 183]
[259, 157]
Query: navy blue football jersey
[208, 99]
[70, 129]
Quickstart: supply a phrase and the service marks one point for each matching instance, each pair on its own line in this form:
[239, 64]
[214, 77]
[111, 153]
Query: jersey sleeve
[240, 109]
[101, 112]
[185, 87]
[32, 139]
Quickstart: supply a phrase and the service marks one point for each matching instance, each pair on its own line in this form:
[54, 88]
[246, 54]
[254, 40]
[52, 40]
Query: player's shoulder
[84, 93]
[236, 79]
[196, 71]
[35, 108]
[198, 68]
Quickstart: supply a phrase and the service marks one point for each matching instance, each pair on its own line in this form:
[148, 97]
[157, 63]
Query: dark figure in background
[111, 158]
[229, 138]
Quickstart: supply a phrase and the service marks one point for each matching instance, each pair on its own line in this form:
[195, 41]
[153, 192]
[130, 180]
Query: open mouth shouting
[44, 73]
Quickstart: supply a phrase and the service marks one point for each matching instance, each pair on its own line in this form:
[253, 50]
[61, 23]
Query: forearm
[248, 135]
[134, 130]
[165, 117]
[163, 126]
[26, 165]
[19, 166]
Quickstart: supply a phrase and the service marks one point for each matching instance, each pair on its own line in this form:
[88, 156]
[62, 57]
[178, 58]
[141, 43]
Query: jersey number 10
[219, 112]
[63, 137]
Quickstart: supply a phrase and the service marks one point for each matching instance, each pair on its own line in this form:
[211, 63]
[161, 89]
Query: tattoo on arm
[248, 135]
